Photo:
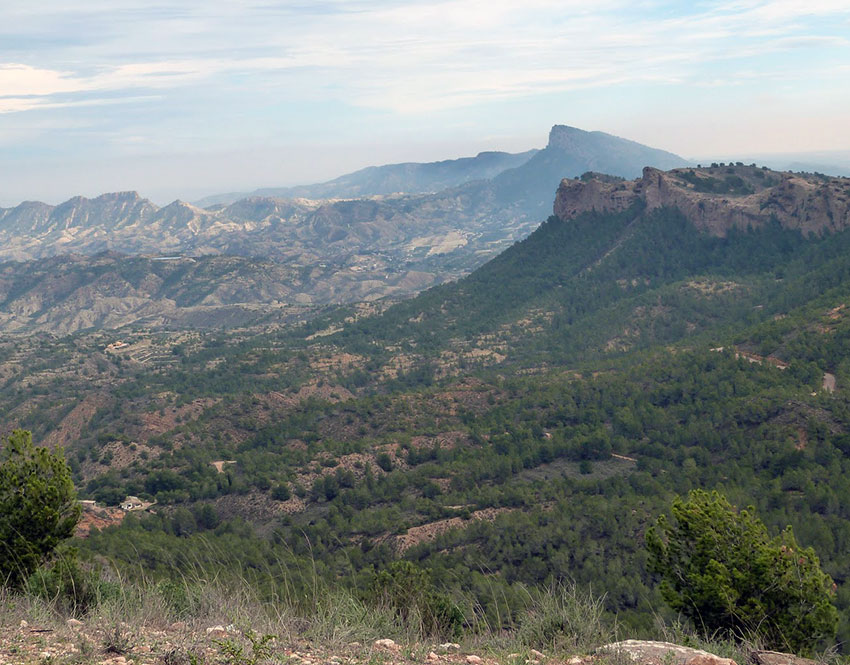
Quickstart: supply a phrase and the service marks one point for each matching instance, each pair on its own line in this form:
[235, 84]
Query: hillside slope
[586, 279]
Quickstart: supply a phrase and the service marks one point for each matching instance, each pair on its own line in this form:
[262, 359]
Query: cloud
[404, 58]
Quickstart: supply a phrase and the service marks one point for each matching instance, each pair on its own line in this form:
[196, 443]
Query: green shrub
[72, 588]
[720, 569]
[565, 619]
[409, 591]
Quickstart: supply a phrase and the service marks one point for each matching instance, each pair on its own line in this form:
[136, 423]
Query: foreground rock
[663, 653]
[777, 658]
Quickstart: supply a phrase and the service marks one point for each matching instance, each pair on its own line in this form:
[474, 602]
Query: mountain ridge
[380, 238]
[407, 177]
[718, 198]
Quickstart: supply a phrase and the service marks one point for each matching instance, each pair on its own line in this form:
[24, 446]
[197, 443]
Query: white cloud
[250, 62]
[413, 56]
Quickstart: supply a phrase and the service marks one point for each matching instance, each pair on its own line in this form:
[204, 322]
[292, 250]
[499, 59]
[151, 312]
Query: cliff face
[716, 199]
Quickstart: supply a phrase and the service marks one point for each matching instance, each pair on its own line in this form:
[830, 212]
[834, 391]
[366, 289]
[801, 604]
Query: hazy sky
[185, 98]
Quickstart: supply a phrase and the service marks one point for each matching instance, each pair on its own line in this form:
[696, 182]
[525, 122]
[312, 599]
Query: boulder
[778, 658]
[663, 653]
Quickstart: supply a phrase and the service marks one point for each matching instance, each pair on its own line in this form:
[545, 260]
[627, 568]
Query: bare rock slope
[718, 198]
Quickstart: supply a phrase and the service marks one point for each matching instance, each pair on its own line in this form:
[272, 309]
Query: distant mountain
[65, 294]
[525, 181]
[569, 153]
[408, 177]
[373, 244]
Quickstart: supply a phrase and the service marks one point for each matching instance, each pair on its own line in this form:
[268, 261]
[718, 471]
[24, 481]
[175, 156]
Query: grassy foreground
[205, 621]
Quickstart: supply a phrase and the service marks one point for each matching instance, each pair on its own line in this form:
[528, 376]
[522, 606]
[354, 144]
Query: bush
[409, 591]
[71, 588]
[720, 569]
[281, 492]
[564, 619]
[38, 508]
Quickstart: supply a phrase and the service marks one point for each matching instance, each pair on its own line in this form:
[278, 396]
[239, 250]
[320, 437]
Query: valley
[520, 426]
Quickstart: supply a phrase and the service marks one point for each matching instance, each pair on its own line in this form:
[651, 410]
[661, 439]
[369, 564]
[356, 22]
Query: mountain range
[474, 216]
[409, 178]
[68, 293]
[686, 329]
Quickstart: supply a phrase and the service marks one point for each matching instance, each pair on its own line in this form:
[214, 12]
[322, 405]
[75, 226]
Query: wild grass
[564, 618]
[561, 620]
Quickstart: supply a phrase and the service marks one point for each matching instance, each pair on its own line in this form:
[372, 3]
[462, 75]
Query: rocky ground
[115, 643]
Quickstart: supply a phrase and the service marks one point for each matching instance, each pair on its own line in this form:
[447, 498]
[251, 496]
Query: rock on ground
[664, 653]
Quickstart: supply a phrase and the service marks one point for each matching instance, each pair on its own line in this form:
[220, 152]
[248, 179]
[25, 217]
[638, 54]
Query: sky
[182, 99]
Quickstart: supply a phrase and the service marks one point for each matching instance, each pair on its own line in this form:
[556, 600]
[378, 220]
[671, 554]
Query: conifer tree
[38, 508]
[720, 568]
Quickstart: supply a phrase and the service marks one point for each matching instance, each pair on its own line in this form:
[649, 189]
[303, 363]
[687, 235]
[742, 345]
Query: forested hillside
[521, 426]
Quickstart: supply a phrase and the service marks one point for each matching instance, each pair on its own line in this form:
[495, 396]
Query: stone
[779, 658]
[433, 656]
[450, 646]
[536, 654]
[663, 653]
[711, 659]
[74, 623]
[216, 631]
[386, 644]
[24, 623]
[782, 196]
[474, 660]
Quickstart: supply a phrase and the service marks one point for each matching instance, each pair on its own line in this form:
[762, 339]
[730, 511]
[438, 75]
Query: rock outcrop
[718, 198]
[663, 653]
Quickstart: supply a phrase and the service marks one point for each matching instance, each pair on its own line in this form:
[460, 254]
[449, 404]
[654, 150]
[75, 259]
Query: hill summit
[718, 197]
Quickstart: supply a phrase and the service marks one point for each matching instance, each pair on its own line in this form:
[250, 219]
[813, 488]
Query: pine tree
[38, 508]
[720, 568]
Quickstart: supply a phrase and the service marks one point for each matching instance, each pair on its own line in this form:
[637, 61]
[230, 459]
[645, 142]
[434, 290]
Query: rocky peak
[27, 214]
[719, 197]
[110, 210]
[119, 197]
[564, 137]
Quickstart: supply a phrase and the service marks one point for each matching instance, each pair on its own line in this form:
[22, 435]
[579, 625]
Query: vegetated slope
[584, 377]
[493, 483]
[408, 177]
[632, 264]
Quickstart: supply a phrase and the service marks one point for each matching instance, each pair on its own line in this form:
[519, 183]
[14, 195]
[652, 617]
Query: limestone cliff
[718, 198]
